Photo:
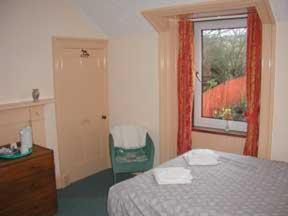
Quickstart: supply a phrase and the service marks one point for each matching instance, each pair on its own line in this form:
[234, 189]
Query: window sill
[220, 132]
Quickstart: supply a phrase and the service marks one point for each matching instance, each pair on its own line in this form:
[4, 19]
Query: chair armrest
[112, 150]
[150, 150]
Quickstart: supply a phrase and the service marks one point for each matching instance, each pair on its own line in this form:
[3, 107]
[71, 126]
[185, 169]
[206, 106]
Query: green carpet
[87, 196]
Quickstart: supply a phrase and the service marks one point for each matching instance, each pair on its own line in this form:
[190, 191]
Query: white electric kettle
[25, 139]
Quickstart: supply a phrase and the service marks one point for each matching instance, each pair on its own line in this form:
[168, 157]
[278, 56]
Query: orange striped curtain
[185, 85]
[253, 70]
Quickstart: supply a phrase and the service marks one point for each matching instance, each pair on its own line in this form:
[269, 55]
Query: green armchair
[131, 160]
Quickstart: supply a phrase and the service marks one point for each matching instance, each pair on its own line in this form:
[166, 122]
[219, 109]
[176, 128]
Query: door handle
[104, 117]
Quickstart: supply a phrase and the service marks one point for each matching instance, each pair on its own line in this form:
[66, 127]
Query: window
[220, 87]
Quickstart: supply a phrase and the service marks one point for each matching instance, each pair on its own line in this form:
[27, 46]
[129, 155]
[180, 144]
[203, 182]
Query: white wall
[26, 50]
[279, 149]
[25, 37]
[218, 142]
[133, 82]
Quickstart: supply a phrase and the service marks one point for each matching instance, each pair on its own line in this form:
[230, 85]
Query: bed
[238, 186]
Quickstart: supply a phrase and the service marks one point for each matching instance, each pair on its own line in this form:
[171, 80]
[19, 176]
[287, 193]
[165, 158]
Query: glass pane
[223, 74]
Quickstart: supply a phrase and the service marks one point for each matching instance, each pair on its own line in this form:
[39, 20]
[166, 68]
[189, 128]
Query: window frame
[199, 120]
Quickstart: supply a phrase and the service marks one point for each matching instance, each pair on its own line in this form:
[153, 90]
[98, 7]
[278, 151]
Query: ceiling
[120, 17]
[280, 9]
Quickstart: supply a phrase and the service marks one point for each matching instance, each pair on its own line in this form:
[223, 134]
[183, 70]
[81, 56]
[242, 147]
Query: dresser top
[36, 152]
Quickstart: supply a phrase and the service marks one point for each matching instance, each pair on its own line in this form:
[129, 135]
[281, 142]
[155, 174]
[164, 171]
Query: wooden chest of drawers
[27, 185]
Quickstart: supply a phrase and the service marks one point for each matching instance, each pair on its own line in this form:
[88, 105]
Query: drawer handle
[33, 167]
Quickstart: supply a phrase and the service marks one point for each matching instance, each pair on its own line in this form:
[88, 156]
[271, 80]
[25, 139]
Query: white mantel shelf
[22, 104]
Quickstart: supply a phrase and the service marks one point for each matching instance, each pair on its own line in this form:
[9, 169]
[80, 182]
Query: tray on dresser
[16, 155]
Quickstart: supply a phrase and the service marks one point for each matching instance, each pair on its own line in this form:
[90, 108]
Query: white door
[80, 77]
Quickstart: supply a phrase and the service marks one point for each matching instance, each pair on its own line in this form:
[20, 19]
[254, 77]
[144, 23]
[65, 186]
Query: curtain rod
[239, 16]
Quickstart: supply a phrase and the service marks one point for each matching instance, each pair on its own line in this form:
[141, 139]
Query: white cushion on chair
[129, 136]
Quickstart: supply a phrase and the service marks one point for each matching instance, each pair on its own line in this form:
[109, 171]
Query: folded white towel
[206, 152]
[129, 136]
[200, 160]
[201, 157]
[172, 175]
